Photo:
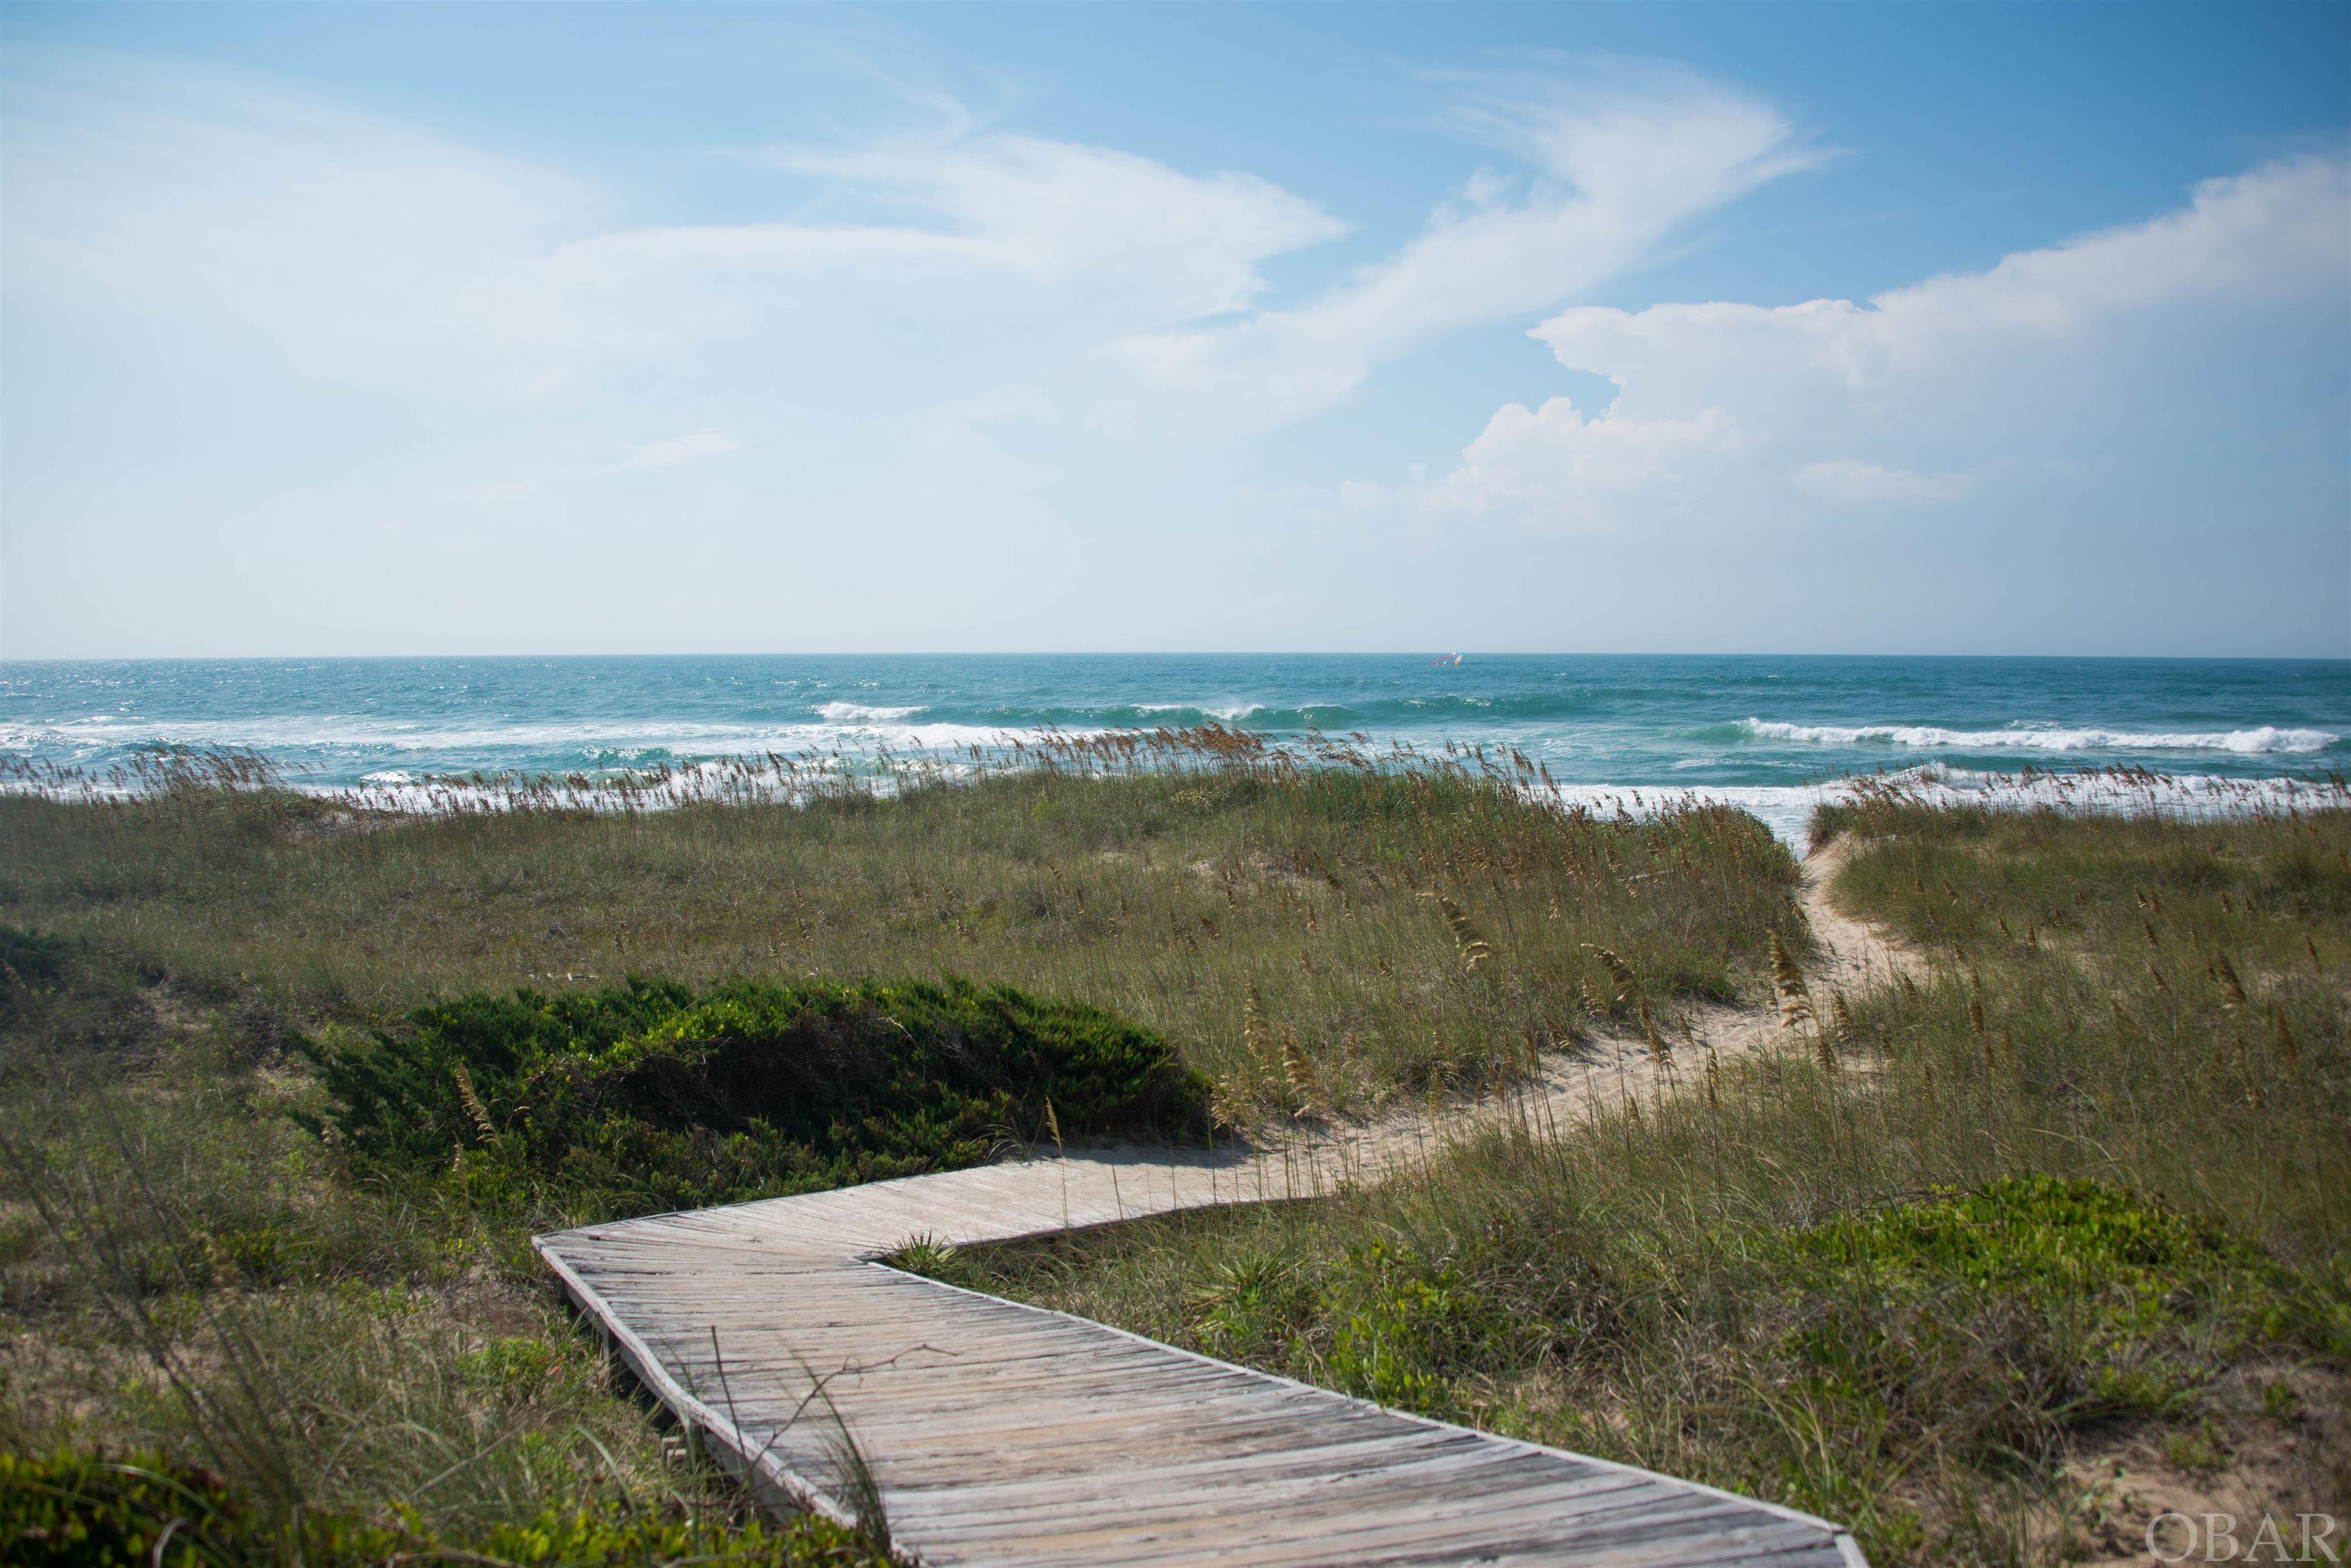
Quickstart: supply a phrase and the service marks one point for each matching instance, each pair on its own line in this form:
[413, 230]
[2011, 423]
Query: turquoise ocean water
[1765, 731]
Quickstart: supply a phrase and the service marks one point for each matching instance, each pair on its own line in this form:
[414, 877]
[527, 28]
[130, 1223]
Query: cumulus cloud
[2279, 230]
[1556, 462]
[1909, 397]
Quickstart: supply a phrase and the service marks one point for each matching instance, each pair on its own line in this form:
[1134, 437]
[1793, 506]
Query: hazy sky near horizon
[1899, 329]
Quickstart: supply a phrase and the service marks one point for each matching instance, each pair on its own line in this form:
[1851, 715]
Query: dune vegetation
[1168, 882]
[1990, 1263]
[285, 1084]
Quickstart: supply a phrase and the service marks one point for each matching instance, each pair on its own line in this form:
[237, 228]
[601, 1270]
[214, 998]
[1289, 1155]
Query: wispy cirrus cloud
[1860, 484]
[1612, 159]
[651, 455]
[375, 252]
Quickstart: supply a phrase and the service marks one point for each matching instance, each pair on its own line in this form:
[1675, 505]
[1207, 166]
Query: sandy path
[1607, 1069]
[1002, 1433]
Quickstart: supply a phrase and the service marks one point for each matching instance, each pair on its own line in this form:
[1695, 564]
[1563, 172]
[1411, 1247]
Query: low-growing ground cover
[2083, 1182]
[645, 1097]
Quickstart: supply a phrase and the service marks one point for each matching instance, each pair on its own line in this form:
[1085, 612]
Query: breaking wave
[2268, 737]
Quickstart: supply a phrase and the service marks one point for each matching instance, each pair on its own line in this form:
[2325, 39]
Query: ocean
[1769, 733]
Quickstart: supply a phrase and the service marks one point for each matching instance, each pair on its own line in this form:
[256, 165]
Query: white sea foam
[860, 713]
[1787, 808]
[1227, 713]
[547, 743]
[2268, 737]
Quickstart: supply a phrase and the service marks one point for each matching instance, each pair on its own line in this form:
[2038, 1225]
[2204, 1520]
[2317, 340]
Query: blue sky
[1663, 328]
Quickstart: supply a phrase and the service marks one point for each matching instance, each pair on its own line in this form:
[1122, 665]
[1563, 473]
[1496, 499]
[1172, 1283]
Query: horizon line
[1154, 654]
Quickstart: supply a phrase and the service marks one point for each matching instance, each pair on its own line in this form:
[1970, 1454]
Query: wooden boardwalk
[1004, 1433]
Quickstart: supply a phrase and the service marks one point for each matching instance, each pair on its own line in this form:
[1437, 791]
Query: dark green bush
[30, 957]
[86, 1510]
[30, 963]
[646, 1097]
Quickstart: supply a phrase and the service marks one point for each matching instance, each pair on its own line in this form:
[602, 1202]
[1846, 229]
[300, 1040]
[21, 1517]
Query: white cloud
[1860, 484]
[492, 493]
[670, 454]
[1914, 396]
[356, 248]
[1553, 467]
[969, 355]
[1623, 155]
[372, 253]
[2279, 230]
[368, 251]
[1175, 246]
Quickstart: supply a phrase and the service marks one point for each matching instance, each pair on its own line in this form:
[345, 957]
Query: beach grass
[2076, 1200]
[2077, 1186]
[231, 1237]
[223, 1346]
[1171, 889]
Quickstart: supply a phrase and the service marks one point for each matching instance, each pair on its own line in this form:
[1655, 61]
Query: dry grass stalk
[1659, 1052]
[1618, 970]
[1298, 1071]
[2287, 1047]
[2232, 989]
[1848, 1033]
[475, 1112]
[1258, 1040]
[1466, 940]
[1788, 984]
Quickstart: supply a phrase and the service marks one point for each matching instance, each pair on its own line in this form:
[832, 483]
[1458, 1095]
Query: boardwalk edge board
[774, 1483]
[770, 1483]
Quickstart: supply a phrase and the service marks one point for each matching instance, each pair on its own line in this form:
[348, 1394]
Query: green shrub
[646, 1097]
[87, 1510]
[1402, 1326]
[27, 959]
[2041, 1236]
[2005, 1313]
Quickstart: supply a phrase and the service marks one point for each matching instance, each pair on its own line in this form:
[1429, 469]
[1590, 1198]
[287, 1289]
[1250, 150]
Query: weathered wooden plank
[1004, 1433]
